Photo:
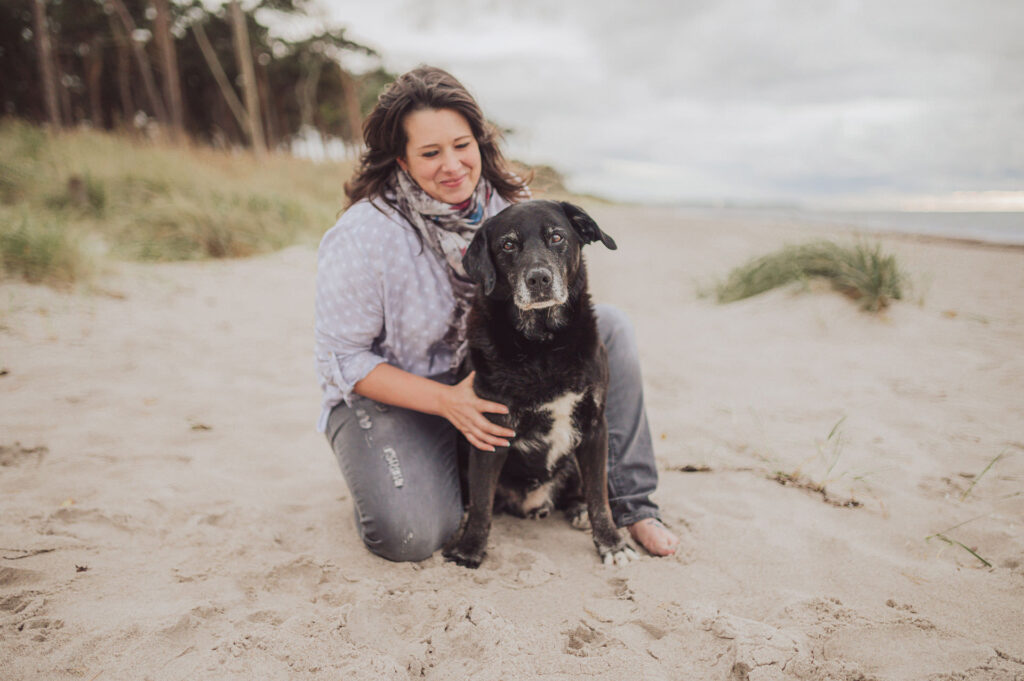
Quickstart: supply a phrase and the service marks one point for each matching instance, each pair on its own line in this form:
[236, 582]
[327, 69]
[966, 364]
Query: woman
[390, 328]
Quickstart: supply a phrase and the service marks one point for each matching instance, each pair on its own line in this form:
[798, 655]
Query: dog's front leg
[470, 543]
[592, 457]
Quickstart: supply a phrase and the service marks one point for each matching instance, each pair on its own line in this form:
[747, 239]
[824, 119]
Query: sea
[993, 227]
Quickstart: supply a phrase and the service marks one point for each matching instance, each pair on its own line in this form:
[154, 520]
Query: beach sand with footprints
[848, 487]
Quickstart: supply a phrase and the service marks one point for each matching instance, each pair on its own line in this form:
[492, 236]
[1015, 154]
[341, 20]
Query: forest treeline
[181, 70]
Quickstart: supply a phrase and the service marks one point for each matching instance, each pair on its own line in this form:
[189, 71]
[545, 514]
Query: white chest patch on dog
[563, 436]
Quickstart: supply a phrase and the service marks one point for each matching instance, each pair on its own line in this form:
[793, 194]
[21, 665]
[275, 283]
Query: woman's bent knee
[615, 326]
[407, 539]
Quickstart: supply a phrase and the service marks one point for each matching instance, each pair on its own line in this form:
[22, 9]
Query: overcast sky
[732, 99]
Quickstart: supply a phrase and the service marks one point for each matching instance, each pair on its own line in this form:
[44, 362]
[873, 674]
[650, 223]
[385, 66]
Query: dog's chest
[547, 431]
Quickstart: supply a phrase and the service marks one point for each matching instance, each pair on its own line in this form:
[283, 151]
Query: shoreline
[880, 223]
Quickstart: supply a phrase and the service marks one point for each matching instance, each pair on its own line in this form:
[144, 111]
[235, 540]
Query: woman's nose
[450, 160]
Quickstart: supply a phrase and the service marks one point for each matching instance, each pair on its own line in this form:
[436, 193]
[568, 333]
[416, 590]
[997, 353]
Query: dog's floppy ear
[585, 225]
[477, 261]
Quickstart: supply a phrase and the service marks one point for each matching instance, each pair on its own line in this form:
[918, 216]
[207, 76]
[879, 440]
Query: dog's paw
[465, 552]
[471, 562]
[579, 518]
[623, 555]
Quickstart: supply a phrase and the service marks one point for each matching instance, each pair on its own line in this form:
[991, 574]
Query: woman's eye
[555, 238]
[429, 154]
[508, 246]
[462, 146]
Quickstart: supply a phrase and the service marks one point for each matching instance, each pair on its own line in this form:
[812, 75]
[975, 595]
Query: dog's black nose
[538, 278]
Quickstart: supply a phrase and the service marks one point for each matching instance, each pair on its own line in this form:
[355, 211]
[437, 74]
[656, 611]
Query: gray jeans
[401, 466]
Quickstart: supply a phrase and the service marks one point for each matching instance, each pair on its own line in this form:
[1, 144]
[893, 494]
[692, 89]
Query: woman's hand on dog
[461, 406]
[457, 403]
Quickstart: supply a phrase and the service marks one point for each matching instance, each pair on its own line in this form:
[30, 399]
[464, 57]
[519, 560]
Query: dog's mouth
[533, 293]
[537, 304]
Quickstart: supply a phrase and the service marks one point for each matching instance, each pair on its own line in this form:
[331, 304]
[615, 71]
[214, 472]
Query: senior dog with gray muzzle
[535, 348]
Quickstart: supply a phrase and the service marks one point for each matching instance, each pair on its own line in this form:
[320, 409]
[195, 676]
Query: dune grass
[861, 271]
[45, 253]
[142, 200]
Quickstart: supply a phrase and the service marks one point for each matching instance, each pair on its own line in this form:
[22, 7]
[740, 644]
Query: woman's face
[442, 155]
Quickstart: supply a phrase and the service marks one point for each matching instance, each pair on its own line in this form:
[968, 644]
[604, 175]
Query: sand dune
[167, 510]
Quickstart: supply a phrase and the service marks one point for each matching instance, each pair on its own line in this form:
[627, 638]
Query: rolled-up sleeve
[349, 311]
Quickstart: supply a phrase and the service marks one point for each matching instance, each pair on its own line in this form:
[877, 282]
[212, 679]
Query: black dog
[534, 345]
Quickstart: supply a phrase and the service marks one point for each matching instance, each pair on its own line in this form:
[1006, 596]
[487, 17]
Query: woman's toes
[654, 536]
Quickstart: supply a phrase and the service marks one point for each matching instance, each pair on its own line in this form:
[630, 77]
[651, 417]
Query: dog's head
[530, 252]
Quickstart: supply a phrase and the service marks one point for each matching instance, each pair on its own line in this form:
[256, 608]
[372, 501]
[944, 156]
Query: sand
[167, 510]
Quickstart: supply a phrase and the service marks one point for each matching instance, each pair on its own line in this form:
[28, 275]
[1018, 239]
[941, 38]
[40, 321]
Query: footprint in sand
[1015, 565]
[302, 575]
[16, 455]
[831, 640]
[621, 588]
[923, 651]
[516, 568]
[820, 617]
[587, 641]
[271, 617]
[90, 525]
[612, 610]
[471, 635]
[20, 607]
[704, 656]
[10, 576]
[15, 603]
[418, 633]
[759, 651]
[181, 629]
[40, 628]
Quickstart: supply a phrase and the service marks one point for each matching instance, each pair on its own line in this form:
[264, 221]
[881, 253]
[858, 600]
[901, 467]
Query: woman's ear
[402, 164]
[477, 262]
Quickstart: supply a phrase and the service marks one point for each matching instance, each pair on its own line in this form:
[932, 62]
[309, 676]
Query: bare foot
[653, 536]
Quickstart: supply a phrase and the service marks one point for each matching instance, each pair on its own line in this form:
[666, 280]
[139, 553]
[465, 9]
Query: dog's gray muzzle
[539, 287]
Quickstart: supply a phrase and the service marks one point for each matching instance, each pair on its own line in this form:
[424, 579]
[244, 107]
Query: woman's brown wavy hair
[425, 87]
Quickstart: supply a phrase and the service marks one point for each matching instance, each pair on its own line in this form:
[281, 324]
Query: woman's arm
[457, 403]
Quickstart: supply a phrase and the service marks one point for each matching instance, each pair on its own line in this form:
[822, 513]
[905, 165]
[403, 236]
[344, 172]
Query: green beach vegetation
[69, 197]
[860, 270]
[218, 90]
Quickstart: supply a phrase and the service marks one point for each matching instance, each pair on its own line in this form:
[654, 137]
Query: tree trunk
[355, 115]
[66, 114]
[222, 78]
[169, 62]
[124, 72]
[243, 55]
[267, 106]
[143, 61]
[93, 75]
[306, 91]
[45, 56]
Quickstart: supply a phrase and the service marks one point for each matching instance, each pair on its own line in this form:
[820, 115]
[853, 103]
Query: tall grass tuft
[41, 253]
[144, 200]
[861, 271]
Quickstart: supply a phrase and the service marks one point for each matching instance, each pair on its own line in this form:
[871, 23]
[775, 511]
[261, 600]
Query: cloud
[734, 98]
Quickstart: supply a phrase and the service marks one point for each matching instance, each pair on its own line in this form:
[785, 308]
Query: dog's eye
[508, 245]
[556, 238]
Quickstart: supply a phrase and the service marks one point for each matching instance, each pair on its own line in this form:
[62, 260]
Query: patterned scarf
[447, 230]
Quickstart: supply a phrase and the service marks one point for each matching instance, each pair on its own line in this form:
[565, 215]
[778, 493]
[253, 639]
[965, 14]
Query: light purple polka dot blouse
[380, 297]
